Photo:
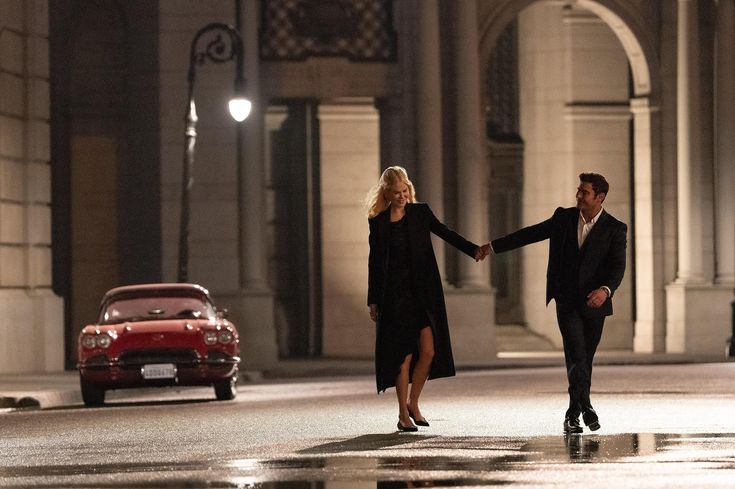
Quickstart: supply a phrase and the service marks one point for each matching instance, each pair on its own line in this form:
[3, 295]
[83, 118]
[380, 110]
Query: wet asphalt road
[667, 426]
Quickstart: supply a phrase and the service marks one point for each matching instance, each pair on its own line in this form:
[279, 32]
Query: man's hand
[596, 298]
[374, 312]
[482, 252]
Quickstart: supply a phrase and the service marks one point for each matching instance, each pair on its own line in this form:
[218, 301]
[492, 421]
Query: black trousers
[581, 335]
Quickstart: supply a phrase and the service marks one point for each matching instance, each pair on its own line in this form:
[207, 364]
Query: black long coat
[421, 223]
[574, 272]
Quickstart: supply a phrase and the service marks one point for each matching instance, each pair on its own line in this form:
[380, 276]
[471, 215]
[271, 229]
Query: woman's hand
[482, 252]
[374, 312]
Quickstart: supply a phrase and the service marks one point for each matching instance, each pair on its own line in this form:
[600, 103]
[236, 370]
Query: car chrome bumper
[114, 375]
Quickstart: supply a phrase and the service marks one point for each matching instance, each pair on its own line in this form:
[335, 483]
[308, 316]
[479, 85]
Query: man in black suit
[586, 265]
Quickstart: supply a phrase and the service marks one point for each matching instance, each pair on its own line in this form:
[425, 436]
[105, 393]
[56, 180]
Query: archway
[633, 174]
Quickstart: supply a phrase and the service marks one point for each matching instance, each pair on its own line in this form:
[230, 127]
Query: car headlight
[210, 337]
[225, 336]
[93, 341]
[103, 341]
[89, 341]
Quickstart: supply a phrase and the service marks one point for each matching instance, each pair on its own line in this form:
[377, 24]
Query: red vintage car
[158, 335]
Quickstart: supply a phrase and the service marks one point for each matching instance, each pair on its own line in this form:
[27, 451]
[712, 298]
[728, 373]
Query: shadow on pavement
[365, 443]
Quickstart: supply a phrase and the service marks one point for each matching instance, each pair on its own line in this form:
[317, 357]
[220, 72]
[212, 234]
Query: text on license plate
[159, 371]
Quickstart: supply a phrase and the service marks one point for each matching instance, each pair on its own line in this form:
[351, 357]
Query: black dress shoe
[590, 419]
[418, 421]
[402, 427]
[571, 425]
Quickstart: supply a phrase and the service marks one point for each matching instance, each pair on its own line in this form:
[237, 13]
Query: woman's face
[398, 195]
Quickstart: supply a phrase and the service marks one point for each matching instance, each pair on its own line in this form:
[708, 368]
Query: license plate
[159, 371]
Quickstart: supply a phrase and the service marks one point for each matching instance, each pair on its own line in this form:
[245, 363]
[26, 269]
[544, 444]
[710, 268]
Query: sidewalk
[59, 389]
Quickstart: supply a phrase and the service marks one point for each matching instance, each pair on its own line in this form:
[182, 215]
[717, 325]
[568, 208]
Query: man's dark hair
[599, 184]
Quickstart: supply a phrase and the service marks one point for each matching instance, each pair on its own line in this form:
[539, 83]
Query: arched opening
[567, 89]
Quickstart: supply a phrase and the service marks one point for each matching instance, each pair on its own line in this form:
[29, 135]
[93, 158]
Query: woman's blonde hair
[376, 202]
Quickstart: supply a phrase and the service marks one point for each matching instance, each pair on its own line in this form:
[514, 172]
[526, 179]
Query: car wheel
[91, 394]
[226, 389]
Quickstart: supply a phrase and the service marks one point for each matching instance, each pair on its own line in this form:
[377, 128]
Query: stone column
[470, 306]
[725, 144]
[542, 49]
[471, 183]
[650, 328]
[698, 312]
[252, 260]
[689, 155]
[430, 180]
[349, 151]
[251, 307]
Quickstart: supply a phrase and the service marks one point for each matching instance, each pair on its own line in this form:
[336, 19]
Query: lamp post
[225, 45]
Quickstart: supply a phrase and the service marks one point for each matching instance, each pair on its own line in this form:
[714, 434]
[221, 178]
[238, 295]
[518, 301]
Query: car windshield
[152, 308]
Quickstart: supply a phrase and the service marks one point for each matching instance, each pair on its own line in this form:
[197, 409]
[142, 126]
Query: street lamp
[225, 45]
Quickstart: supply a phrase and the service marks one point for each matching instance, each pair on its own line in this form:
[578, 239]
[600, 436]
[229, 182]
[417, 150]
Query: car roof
[180, 287]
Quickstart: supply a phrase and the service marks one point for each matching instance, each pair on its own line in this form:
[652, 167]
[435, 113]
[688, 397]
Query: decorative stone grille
[361, 30]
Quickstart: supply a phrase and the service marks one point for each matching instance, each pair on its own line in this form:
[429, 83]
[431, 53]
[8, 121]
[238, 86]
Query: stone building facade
[493, 106]
[32, 324]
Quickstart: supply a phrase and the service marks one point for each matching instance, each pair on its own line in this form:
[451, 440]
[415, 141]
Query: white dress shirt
[584, 227]
[583, 230]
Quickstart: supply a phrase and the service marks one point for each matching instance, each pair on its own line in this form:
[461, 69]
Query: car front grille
[137, 358]
[220, 358]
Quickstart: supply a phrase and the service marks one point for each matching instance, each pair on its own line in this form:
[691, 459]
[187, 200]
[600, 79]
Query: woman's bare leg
[421, 370]
[402, 391]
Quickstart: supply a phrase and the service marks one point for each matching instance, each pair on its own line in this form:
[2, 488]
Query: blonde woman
[405, 294]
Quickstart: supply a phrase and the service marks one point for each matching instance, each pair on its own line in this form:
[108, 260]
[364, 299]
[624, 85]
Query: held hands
[482, 252]
[596, 298]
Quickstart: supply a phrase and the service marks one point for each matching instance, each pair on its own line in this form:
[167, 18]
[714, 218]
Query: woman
[405, 293]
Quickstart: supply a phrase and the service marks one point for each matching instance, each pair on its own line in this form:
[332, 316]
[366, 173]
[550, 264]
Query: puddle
[424, 461]
[617, 448]
[195, 483]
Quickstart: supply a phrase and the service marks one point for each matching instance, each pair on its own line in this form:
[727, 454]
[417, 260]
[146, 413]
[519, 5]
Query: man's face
[586, 198]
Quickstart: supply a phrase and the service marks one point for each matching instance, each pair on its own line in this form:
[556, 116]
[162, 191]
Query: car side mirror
[222, 313]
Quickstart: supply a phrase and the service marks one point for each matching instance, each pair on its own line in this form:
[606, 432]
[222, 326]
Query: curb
[39, 400]
[55, 398]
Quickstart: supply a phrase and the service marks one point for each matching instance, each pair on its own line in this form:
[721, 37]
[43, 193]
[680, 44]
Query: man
[586, 265]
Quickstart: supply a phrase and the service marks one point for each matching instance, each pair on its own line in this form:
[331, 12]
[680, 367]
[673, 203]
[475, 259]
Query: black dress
[403, 315]
[420, 295]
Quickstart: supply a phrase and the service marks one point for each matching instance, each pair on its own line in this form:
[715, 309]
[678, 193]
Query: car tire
[91, 394]
[226, 389]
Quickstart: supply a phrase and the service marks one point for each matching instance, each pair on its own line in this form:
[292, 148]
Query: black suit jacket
[574, 272]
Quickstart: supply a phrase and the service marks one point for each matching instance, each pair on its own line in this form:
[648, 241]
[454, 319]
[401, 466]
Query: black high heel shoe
[418, 421]
[402, 427]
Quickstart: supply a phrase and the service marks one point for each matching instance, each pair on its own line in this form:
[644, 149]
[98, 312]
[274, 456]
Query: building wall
[574, 82]
[32, 328]
[104, 148]
[214, 260]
